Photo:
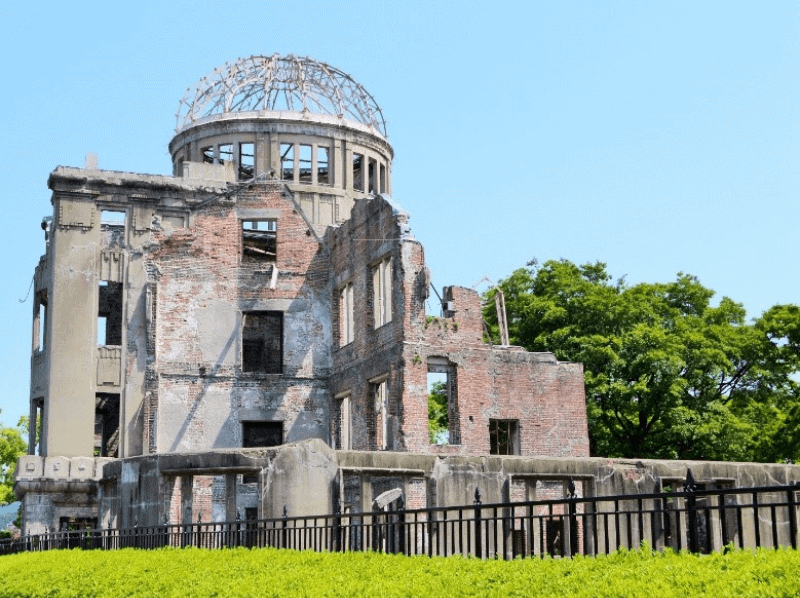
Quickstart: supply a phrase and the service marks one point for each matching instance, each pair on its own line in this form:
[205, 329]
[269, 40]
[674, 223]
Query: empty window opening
[443, 421]
[383, 188]
[35, 427]
[287, 161]
[503, 437]
[358, 172]
[258, 434]
[382, 292]
[112, 217]
[373, 167]
[225, 153]
[247, 161]
[380, 396]
[305, 164]
[341, 433]
[109, 314]
[106, 425]
[250, 513]
[259, 240]
[346, 325]
[262, 342]
[208, 154]
[39, 321]
[322, 166]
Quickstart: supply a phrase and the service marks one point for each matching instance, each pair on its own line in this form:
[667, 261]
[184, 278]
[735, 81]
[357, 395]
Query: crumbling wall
[204, 293]
[374, 241]
[540, 398]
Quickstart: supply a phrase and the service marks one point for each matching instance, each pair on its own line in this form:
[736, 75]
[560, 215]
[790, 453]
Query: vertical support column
[186, 499]
[230, 497]
[274, 155]
[347, 168]
[262, 153]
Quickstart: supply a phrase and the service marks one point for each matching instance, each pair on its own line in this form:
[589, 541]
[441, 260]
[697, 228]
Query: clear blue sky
[655, 136]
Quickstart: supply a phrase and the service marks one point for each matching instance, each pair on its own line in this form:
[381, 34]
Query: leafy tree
[11, 447]
[667, 375]
[438, 422]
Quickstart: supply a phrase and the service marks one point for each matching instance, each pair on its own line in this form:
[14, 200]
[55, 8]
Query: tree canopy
[12, 446]
[667, 374]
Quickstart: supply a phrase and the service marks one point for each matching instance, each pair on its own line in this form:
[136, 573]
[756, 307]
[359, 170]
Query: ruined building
[251, 331]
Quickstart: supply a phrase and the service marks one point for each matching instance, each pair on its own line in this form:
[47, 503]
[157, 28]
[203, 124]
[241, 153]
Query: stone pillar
[230, 497]
[186, 499]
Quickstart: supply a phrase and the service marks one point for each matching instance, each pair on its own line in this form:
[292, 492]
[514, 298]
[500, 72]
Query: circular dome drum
[289, 119]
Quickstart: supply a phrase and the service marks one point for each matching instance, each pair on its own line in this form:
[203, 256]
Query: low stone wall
[310, 478]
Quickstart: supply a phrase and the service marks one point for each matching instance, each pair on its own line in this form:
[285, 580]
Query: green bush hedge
[270, 572]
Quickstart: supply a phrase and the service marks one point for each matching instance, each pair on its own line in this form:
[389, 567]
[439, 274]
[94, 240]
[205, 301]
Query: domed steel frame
[276, 84]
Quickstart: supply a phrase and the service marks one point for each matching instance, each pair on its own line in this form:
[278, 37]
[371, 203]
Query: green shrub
[270, 572]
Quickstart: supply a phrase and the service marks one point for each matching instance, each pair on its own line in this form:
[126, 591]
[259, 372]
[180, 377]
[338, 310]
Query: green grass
[271, 572]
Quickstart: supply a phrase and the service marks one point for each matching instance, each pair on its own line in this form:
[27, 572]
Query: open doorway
[442, 402]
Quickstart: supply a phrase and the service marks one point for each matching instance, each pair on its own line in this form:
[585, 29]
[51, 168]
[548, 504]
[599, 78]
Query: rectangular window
[382, 292]
[208, 154]
[383, 188]
[373, 167]
[35, 426]
[287, 161]
[247, 161]
[380, 395]
[346, 327]
[106, 425]
[503, 437]
[257, 434]
[112, 217]
[322, 166]
[225, 152]
[39, 321]
[305, 164]
[259, 240]
[342, 434]
[262, 342]
[443, 422]
[109, 313]
[358, 172]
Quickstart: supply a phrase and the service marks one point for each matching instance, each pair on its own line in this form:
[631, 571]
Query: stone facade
[269, 292]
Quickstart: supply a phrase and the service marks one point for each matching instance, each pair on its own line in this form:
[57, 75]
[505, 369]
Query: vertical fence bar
[478, 534]
[756, 521]
[792, 517]
[691, 515]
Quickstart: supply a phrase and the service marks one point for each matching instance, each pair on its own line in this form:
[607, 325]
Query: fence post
[337, 527]
[657, 523]
[793, 515]
[376, 533]
[401, 531]
[690, 487]
[572, 537]
[478, 534]
[285, 532]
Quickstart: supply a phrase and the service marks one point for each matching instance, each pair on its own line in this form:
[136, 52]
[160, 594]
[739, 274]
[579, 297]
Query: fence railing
[697, 520]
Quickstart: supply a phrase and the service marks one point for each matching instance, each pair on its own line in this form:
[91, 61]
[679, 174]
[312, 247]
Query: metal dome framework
[276, 84]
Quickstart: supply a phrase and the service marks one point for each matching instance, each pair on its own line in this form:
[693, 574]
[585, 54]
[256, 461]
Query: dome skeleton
[275, 83]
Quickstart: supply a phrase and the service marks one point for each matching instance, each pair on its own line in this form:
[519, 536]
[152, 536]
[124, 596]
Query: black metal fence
[697, 520]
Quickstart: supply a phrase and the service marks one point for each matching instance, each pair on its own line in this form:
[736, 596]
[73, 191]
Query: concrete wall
[308, 478]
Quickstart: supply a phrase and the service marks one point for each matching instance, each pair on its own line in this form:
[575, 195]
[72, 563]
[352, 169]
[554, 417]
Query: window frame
[346, 314]
[381, 277]
[269, 231]
[379, 393]
[511, 443]
[247, 364]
